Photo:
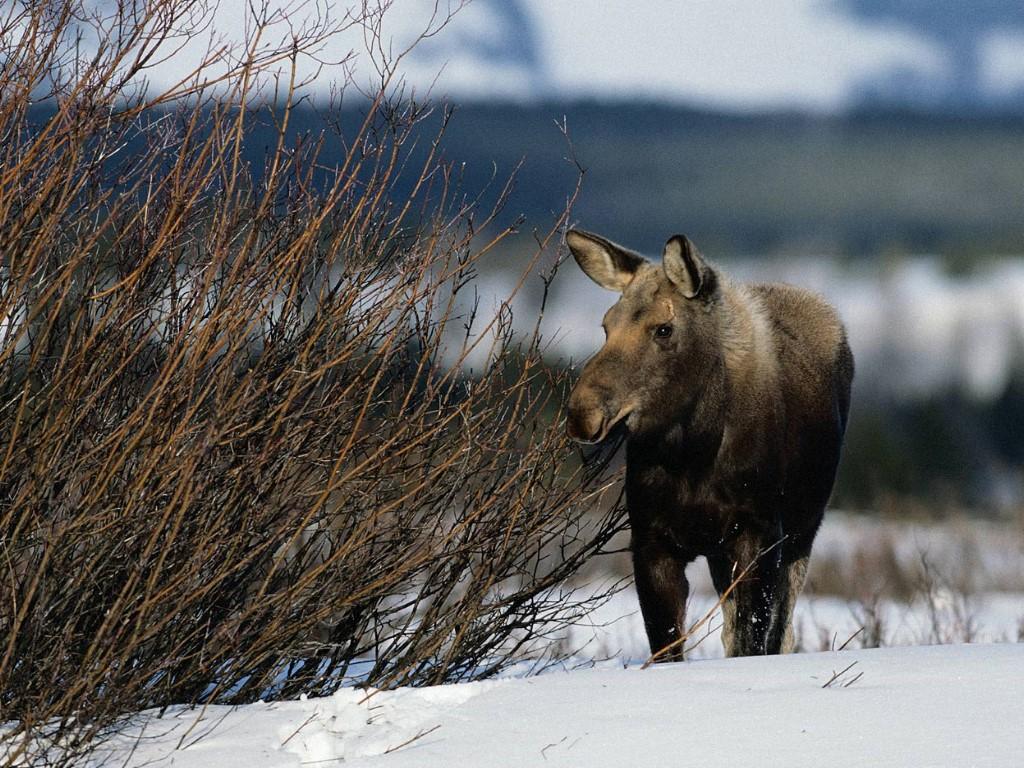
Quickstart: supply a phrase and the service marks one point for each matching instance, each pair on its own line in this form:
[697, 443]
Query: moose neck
[748, 362]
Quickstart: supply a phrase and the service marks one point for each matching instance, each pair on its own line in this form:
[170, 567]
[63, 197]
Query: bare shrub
[948, 604]
[940, 610]
[868, 568]
[240, 455]
[878, 557]
[869, 613]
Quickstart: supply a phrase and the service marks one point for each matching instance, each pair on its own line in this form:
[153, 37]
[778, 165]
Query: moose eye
[663, 331]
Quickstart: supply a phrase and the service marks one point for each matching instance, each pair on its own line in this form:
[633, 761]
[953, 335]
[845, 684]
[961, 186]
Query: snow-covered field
[919, 704]
[943, 691]
[867, 582]
[922, 706]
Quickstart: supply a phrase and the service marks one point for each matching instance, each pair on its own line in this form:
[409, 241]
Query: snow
[920, 705]
[923, 706]
[1002, 66]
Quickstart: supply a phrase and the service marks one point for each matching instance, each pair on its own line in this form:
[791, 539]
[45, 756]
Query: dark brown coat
[735, 398]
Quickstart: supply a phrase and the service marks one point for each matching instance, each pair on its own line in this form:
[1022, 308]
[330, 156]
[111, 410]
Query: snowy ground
[923, 706]
[920, 705]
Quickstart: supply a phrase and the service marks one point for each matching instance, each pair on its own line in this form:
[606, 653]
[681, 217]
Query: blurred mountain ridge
[860, 186]
[824, 55]
[963, 30]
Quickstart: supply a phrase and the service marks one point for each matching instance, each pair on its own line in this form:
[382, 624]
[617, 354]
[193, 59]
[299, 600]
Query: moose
[735, 400]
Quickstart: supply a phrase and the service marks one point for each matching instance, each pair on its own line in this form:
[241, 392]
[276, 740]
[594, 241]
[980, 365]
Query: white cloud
[1002, 56]
[730, 53]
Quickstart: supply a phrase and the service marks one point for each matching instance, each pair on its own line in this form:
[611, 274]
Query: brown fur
[735, 398]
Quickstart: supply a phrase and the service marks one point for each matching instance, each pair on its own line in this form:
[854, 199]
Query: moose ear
[685, 267]
[609, 265]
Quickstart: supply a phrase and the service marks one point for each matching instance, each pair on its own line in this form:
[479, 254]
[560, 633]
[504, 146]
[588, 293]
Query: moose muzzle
[592, 413]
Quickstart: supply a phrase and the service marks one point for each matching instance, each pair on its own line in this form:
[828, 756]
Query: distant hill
[965, 34]
[855, 185]
[741, 184]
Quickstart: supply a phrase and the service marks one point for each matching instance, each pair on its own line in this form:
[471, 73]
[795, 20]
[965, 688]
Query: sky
[738, 55]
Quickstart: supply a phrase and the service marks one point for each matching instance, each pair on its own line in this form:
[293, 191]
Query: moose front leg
[663, 589]
[751, 566]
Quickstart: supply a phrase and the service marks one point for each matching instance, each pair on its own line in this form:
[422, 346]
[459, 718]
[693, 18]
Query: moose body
[735, 398]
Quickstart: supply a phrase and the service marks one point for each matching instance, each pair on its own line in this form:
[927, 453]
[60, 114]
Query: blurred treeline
[935, 455]
[855, 185]
[858, 185]
[864, 188]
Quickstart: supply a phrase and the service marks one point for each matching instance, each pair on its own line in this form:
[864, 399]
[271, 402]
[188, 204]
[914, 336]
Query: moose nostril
[585, 424]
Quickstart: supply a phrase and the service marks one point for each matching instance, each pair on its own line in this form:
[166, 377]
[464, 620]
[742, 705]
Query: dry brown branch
[240, 454]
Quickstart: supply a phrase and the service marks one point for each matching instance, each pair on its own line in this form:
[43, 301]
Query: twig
[407, 742]
[295, 733]
[840, 673]
[543, 751]
[850, 639]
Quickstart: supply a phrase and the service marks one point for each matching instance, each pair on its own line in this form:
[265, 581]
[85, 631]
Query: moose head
[660, 337]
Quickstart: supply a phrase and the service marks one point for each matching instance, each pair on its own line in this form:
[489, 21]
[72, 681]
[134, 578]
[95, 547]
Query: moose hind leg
[749, 609]
[791, 582]
[662, 588]
[797, 572]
